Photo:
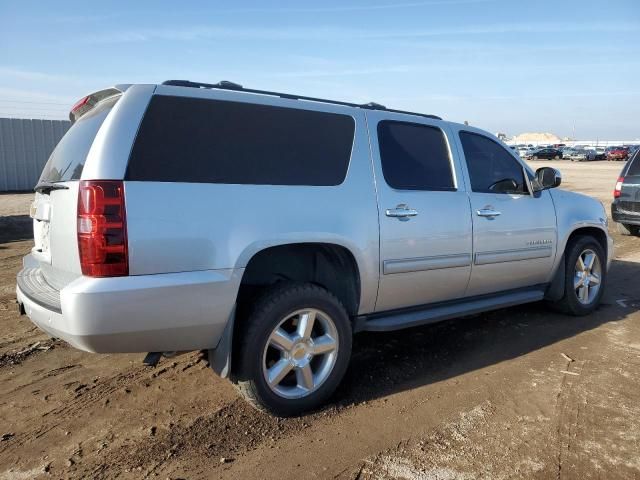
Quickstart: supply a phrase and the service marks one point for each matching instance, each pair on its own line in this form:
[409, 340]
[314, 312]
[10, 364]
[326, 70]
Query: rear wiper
[46, 187]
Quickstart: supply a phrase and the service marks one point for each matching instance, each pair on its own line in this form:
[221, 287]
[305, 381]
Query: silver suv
[267, 228]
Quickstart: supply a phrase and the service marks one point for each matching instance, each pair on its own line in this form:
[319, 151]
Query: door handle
[488, 212]
[401, 211]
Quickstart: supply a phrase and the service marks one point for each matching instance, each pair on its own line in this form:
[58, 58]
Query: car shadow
[383, 364]
[14, 228]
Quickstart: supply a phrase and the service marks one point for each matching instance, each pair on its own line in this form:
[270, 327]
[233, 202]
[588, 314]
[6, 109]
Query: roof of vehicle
[226, 85]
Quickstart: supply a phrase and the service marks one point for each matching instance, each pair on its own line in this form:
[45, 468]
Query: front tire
[585, 277]
[294, 350]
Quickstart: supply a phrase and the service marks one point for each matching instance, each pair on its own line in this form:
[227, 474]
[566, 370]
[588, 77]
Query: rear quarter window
[68, 158]
[193, 140]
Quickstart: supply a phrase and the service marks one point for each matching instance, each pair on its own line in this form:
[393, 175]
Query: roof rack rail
[226, 85]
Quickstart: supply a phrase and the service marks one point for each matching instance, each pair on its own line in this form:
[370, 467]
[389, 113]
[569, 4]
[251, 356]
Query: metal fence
[25, 146]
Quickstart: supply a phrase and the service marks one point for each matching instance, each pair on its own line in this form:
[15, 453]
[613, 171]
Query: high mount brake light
[102, 229]
[85, 104]
[81, 107]
[618, 190]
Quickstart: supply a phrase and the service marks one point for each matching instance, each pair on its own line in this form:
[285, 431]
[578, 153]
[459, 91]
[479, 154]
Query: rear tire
[585, 277]
[286, 367]
[626, 229]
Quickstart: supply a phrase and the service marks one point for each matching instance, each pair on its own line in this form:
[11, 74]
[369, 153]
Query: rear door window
[68, 158]
[197, 140]
[414, 156]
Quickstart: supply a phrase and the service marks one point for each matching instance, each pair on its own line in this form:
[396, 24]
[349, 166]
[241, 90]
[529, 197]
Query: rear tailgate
[54, 209]
[54, 228]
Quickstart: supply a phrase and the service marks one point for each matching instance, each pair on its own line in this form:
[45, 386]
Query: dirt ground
[516, 393]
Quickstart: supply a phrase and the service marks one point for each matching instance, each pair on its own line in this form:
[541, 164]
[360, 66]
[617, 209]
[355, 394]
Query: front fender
[575, 211]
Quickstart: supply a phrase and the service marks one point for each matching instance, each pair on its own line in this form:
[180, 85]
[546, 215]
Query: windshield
[67, 160]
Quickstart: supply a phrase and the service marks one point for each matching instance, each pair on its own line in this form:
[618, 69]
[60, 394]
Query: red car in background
[617, 153]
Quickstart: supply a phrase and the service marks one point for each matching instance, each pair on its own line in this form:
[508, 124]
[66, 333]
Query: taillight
[102, 228]
[618, 190]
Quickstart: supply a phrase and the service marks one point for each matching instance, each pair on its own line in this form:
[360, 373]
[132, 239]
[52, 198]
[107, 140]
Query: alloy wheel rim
[587, 277]
[300, 353]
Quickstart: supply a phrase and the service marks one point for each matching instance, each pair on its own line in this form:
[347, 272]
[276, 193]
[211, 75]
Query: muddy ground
[516, 393]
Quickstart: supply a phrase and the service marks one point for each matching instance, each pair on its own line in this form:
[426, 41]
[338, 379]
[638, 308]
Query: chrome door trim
[501, 256]
[426, 263]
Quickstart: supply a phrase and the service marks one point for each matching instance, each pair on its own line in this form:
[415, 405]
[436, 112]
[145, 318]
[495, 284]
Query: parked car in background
[625, 208]
[545, 154]
[266, 228]
[601, 153]
[523, 151]
[617, 153]
[578, 154]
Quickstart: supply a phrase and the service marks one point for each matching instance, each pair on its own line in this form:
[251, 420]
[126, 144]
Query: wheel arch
[596, 231]
[328, 264]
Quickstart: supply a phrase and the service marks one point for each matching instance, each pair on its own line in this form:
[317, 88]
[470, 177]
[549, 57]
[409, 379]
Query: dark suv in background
[625, 208]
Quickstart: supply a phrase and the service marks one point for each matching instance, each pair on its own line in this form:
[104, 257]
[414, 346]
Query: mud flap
[220, 357]
[555, 290]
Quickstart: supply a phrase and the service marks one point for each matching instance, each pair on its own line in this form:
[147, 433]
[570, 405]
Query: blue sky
[503, 65]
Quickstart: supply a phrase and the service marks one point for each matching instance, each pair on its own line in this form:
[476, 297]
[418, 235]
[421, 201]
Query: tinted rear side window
[210, 141]
[414, 156]
[68, 158]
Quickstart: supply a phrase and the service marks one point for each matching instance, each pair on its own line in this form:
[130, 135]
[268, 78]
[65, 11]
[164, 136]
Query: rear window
[634, 164]
[68, 158]
[210, 141]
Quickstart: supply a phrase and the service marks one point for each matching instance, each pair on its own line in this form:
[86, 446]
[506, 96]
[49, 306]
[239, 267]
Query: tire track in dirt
[84, 400]
[226, 433]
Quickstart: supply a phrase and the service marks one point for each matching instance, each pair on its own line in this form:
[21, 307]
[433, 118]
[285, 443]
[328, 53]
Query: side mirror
[548, 177]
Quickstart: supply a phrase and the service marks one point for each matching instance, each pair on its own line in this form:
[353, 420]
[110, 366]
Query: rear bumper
[624, 216]
[147, 313]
